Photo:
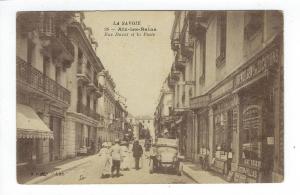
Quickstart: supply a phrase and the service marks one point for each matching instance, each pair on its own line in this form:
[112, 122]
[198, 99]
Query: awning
[29, 124]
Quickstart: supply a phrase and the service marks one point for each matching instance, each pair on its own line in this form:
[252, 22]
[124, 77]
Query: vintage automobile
[164, 156]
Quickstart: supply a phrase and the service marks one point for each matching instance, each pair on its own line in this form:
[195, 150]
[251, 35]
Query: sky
[138, 65]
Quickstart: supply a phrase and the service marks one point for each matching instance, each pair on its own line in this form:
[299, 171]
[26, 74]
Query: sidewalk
[195, 172]
[47, 171]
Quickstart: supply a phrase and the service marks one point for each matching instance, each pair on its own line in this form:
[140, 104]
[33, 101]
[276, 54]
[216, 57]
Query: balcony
[91, 87]
[49, 29]
[83, 109]
[175, 43]
[187, 48]
[221, 59]
[175, 74]
[82, 76]
[94, 114]
[198, 22]
[180, 62]
[36, 82]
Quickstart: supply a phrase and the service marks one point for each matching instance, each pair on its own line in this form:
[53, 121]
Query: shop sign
[252, 163]
[228, 103]
[258, 67]
[248, 172]
[222, 90]
[200, 101]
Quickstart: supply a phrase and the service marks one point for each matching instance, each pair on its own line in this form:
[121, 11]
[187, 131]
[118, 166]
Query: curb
[54, 173]
[189, 175]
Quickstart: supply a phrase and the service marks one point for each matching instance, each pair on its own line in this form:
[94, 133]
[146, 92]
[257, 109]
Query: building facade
[228, 83]
[45, 55]
[83, 117]
[145, 127]
[66, 103]
[162, 116]
[108, 107]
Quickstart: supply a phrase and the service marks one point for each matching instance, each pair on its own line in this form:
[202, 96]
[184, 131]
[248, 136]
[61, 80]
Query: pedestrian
[137, 153]
[105, 162]
[116, 155]
[125, 156]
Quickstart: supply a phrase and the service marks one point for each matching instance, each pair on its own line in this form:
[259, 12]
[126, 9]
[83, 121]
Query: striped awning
[29, 124]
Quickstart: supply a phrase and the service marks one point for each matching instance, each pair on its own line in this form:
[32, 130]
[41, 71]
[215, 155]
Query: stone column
[211, 134]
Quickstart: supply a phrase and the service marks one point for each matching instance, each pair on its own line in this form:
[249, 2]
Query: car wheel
[180, 169]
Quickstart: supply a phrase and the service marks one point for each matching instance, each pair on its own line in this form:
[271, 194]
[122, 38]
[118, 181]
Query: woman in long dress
[125, 156]
[105, 161]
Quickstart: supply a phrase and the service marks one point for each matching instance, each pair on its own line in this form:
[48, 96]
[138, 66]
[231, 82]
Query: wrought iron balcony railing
[48, 27]
[60, 35]
[38, 81]
[86, 110]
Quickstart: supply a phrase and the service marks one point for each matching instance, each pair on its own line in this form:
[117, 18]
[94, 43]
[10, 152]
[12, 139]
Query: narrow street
[88, 173]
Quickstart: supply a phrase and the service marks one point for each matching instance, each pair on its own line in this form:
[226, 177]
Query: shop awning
[29, 124]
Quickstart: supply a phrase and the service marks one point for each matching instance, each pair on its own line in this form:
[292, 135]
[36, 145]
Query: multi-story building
[60, 81]
[83, 116]
[132, 126]
[121, 115]
[162, 115]
[228, 72]
[45, 56]
[108, 107]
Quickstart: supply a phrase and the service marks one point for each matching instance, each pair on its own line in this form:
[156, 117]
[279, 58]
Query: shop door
[56, 128]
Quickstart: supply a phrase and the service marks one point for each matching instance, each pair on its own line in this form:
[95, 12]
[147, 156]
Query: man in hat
[116, 158]
[137, 153]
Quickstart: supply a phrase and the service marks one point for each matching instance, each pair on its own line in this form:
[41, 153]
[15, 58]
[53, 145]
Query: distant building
[145, 123]
[163, 113]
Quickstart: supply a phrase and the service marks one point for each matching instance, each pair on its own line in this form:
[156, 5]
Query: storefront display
[223, 135]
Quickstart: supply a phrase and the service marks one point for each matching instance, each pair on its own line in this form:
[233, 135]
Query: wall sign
[258, 67]
[222, 90]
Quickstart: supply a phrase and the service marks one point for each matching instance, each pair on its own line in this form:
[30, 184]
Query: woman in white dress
[125, 156]
[105, 161]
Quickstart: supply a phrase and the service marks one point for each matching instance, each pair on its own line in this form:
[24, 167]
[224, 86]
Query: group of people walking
[119, 157]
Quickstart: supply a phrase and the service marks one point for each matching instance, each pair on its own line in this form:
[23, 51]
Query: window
[88, 101]
[30, 48]
[95, 104]
[251, 134]
[80, 61]
[46, 64]
[89, 136]
[221, 38]
[253, 23]
[79, 98]
[203, 146]
[223, 134]
[200, 57]
[95, 79]
[57, 74]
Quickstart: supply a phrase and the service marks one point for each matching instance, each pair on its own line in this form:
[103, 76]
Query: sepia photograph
[149, 97]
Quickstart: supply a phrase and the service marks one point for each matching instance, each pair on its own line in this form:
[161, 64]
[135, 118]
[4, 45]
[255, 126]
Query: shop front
[256, 134]
[255, 85]
[223, 128]
[33, 137]
[199, 105]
